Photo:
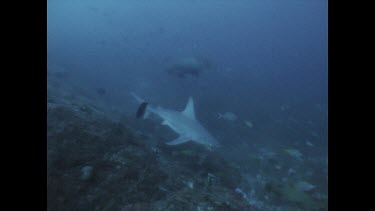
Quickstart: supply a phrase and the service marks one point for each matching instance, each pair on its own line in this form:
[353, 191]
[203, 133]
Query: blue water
[269, 57]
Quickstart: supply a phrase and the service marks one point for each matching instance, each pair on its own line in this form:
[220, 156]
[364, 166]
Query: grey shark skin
[184, 123]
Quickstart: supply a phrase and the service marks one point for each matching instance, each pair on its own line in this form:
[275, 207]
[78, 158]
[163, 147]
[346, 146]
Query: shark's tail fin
[142, 111]
[219, 115]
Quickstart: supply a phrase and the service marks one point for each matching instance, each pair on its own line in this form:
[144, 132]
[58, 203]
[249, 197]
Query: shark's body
[184, 124]
[229, 116]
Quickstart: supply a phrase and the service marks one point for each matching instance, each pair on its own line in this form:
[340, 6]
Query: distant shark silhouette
[192, 66]
[184, 123]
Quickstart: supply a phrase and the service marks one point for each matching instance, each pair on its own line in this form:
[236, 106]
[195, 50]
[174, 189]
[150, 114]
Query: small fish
[190, 184]
[228, 116]
[278, 167]
[308, 143]
[141, 110]
[294, 153]
[249, 124]
[162, 188]
[304, 186]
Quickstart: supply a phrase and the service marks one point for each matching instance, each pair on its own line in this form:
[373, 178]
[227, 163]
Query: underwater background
[256, 69]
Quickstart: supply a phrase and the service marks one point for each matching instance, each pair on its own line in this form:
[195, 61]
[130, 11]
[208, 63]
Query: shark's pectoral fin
[179, 140]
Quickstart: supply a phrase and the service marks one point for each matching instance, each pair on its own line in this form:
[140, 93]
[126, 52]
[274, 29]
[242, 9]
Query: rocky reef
[101, 159]
[96, 163]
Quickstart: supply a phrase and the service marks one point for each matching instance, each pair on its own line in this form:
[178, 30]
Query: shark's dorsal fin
[189, 109]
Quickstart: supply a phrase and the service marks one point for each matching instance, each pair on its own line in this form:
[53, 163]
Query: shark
[192, 66]
[184, 123]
